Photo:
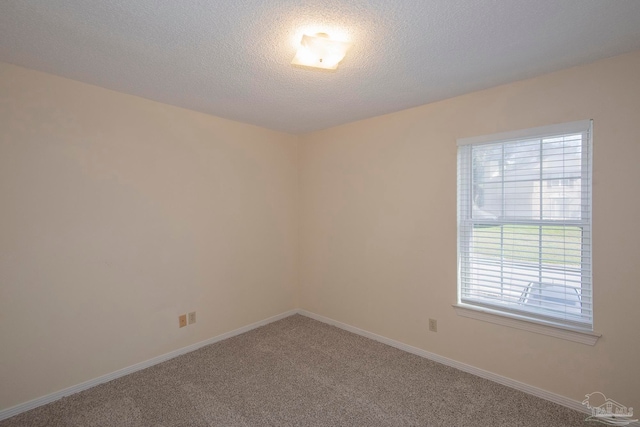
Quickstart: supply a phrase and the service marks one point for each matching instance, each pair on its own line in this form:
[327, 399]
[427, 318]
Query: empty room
[319, 213]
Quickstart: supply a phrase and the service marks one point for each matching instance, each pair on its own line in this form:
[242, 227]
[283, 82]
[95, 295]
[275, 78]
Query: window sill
[513, 321]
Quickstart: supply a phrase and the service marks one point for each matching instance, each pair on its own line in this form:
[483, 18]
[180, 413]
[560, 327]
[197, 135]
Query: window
[524, 225]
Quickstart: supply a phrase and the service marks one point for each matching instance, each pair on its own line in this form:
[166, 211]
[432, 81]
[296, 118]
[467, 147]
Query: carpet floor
[299, 372]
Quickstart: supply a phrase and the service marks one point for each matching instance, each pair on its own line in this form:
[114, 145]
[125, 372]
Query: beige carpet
[299, 372]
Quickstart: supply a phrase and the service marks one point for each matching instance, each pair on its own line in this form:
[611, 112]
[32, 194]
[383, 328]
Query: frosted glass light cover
[320, 52]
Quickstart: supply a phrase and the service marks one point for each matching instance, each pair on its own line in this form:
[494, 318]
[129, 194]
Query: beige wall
[378, 227]
[117, 215]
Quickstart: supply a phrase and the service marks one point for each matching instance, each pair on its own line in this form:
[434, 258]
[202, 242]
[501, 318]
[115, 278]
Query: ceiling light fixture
[319, 51]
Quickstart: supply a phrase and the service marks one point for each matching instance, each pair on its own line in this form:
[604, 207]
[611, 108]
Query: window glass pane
[487, 241]
[522, 160]
[562, 157]
[487, 164]
[562, 199]
[562, 246]
[522, 200]
[487, 200]
[521, 243]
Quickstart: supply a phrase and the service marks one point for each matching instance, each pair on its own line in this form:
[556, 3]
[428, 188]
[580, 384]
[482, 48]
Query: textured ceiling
[232, 58]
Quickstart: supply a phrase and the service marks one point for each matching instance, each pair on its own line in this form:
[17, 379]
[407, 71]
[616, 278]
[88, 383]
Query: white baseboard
[526, 388]
[15, 410]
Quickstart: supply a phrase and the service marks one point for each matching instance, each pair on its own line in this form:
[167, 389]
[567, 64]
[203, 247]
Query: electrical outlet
[182, 320]
[433, 325]
[192, 317]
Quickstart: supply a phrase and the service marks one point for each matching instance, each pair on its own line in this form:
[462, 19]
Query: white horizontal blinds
[524, 224]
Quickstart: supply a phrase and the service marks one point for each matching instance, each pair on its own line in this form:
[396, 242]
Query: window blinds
[524, 223]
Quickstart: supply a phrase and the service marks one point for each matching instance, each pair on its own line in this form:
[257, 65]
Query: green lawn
[560, 245]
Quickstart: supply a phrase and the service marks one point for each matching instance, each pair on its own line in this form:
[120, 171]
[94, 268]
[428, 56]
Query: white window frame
[518, 319]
